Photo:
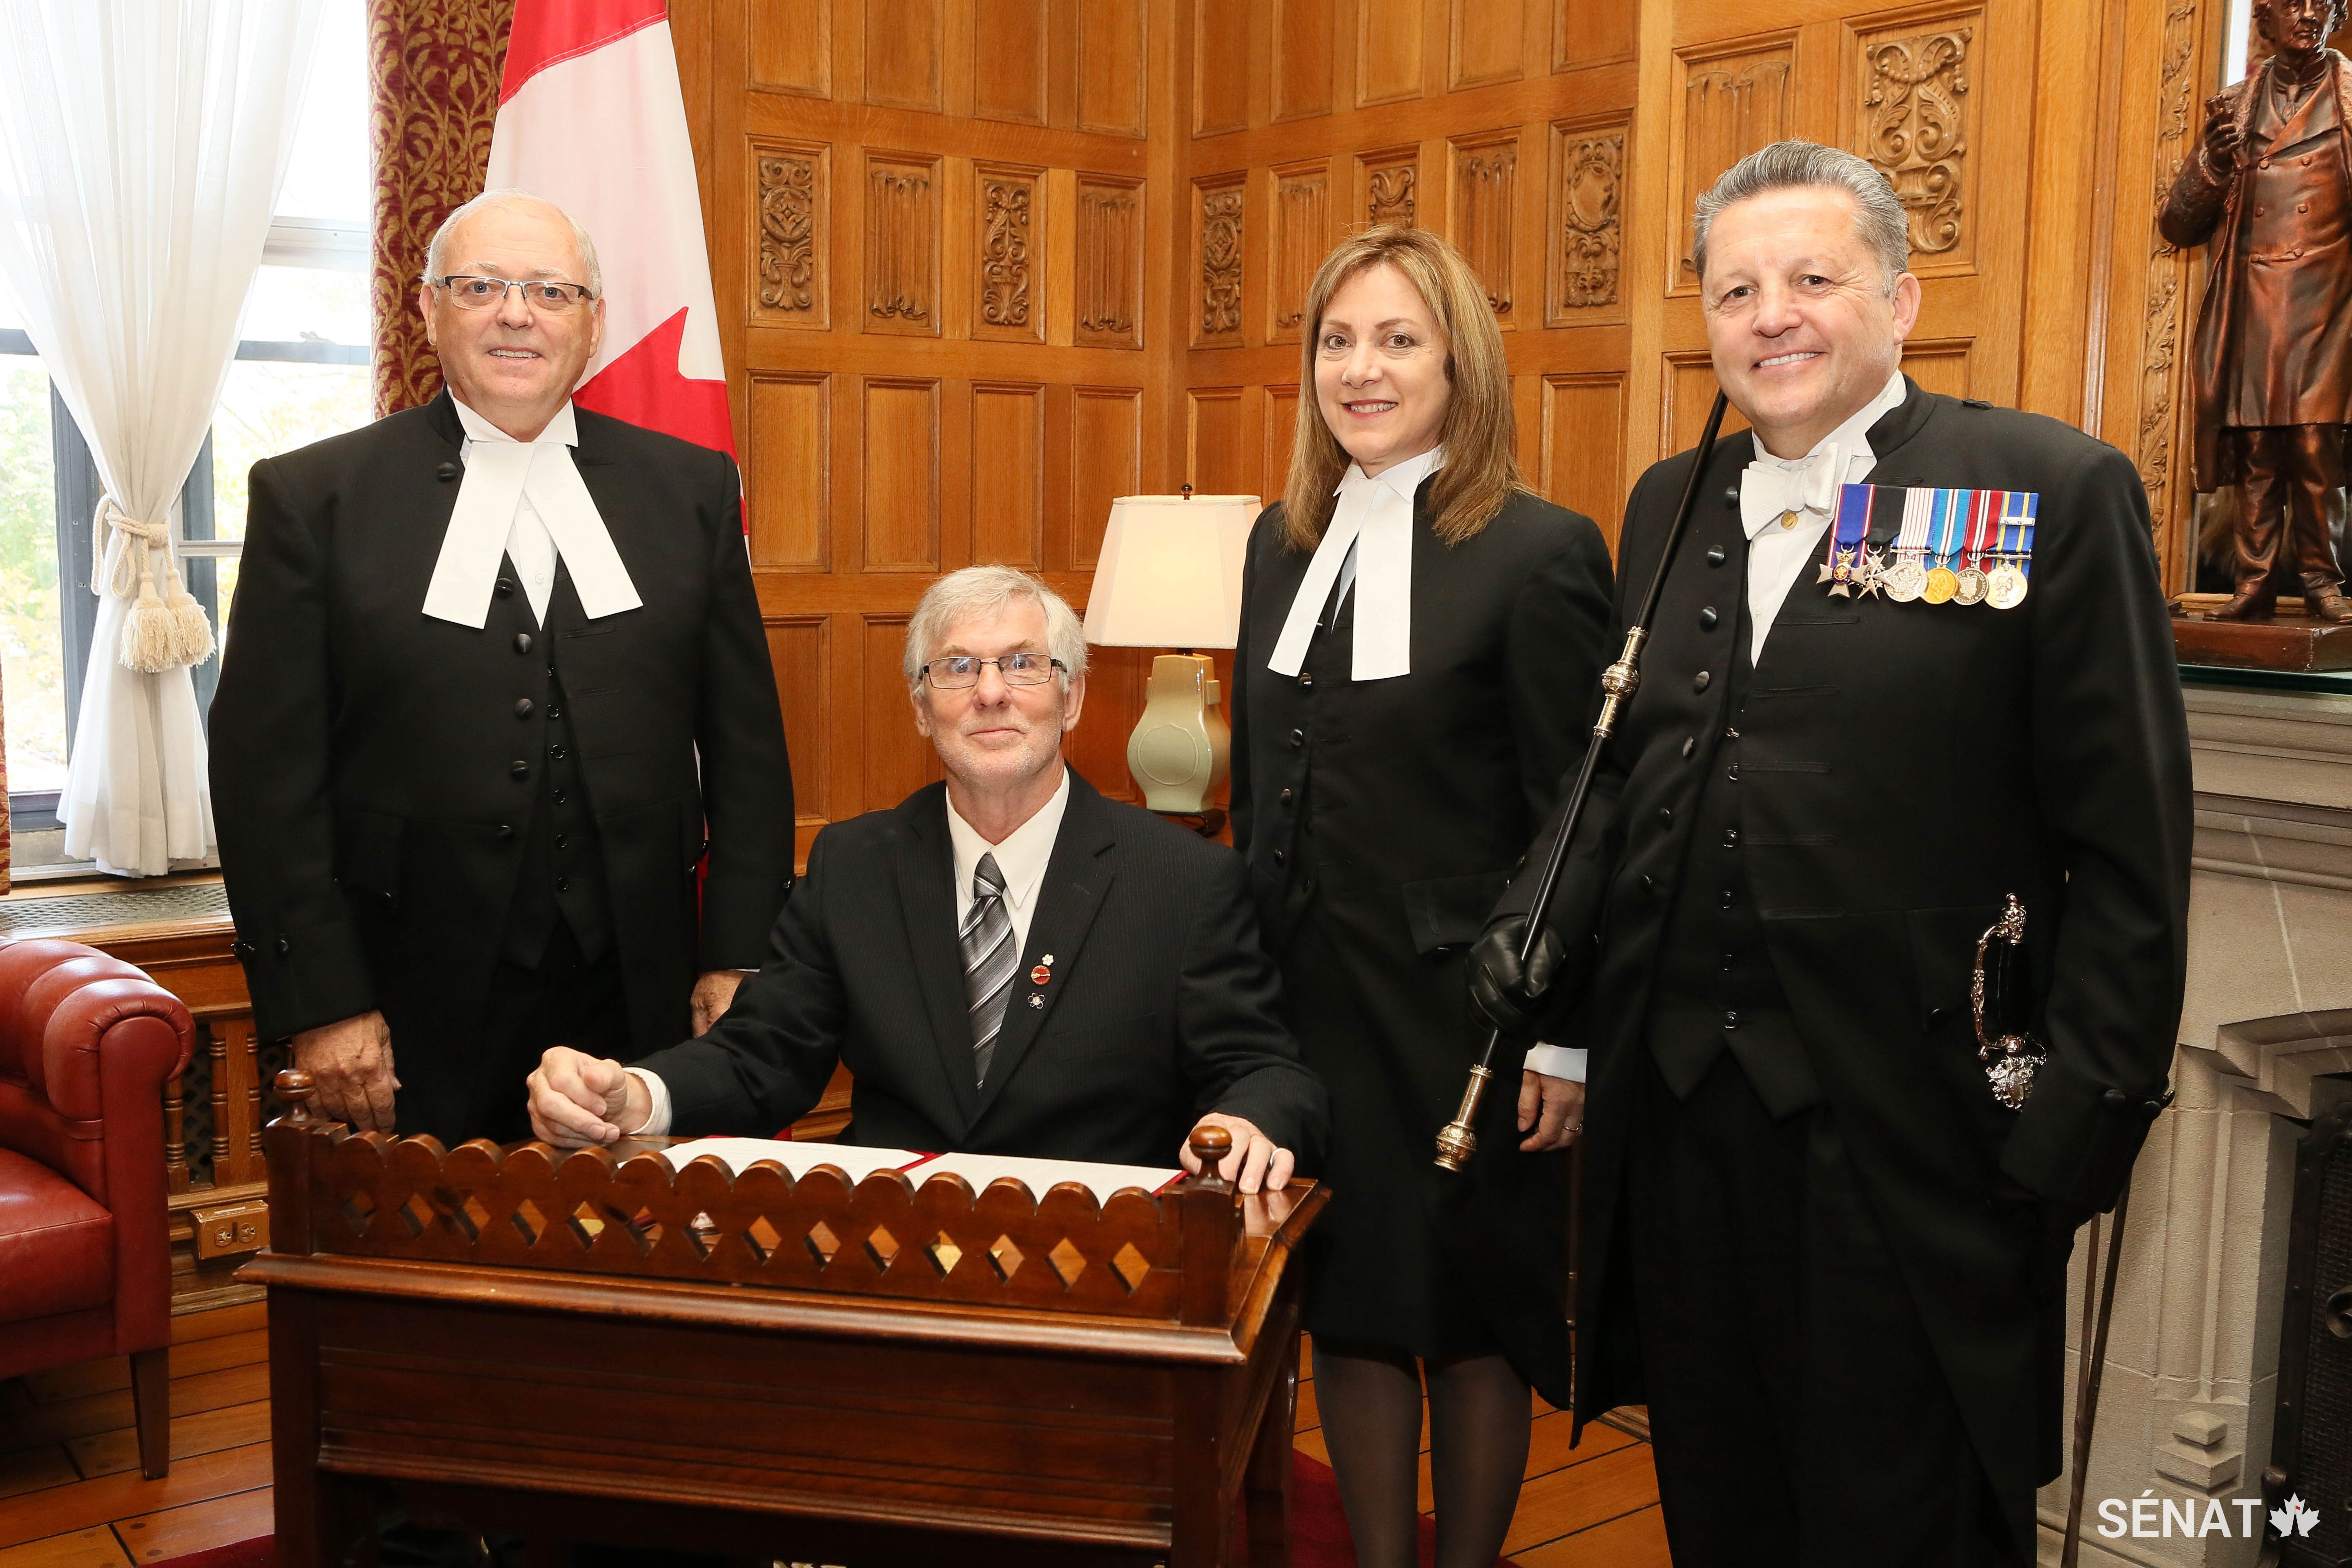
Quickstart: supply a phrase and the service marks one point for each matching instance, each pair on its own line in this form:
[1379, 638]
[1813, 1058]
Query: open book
[978, 1171]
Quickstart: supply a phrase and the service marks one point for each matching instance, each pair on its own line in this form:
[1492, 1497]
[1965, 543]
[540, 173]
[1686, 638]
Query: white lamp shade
[1171, 571]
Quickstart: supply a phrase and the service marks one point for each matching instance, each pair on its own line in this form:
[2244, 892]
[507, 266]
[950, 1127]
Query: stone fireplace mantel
[2192, 1358]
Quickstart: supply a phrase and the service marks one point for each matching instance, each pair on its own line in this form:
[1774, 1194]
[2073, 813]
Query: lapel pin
[1047, 960]
[1035, 1000]
[1039, 975]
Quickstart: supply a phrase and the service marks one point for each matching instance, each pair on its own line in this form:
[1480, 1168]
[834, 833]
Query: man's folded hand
[577, 1099]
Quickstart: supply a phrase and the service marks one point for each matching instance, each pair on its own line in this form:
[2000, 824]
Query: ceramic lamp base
[1181, 747]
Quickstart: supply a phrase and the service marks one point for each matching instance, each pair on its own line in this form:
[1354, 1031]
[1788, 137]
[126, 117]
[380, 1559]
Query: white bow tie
[1770, 489]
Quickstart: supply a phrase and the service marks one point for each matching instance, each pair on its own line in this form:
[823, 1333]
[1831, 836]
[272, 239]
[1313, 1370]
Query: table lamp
[1170, 576]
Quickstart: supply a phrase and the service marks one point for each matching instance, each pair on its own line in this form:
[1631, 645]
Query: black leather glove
[1502, 994]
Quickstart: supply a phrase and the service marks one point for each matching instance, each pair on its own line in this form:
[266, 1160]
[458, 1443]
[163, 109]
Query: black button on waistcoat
[1702, 680]
[1707, 619]
[1690, 744]
[1665, 816]
[1715, 556]
[524, 708]
[1284, 797]
[446, 472]
[506, 830]
[523, 642]
[518, 768]
[504, 587]
[1731, 838]
[558, 752]
[1298, 737]
[1305, 681]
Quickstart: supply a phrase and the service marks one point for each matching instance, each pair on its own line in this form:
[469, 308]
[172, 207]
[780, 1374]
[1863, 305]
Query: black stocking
[1368, 1399]
[1478, 1426]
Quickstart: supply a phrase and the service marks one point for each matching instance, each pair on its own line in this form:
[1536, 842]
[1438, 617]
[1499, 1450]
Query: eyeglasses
[1017, 669]
[471, 293]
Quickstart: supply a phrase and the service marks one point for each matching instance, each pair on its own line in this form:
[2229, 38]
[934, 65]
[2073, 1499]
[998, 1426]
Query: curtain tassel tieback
[161, 632]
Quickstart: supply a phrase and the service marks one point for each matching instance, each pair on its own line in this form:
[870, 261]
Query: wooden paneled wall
[1502, 124]
[983, 265]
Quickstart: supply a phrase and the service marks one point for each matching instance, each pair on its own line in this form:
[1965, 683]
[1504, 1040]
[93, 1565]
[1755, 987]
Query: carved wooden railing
[1170, 1258]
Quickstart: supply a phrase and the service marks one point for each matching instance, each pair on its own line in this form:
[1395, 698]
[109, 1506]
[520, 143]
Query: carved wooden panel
[1485, 42]
[787, 469]
[793, 198]
[1218, 207]
[904, 42]
[1583, 462]
[1281, 436]
[1221, 52]
[1302, 58]
[1106, 462]
[902, 475]
[800, 650]
[902, 244]
[1735, 99]
[2168, 272]
[1584, 34]
[1110, 282]
[1385, 185]
[1216, 448]
[1302, 236]
[1689, 392]
[1388, 51]
[1938, 365]
[1486, 174]
[1112, 48]
[1586, 243]
[791, 46]
[1913, 126]
[897, 759]
[1008, 474]
[1008, 75]
[1006, 305]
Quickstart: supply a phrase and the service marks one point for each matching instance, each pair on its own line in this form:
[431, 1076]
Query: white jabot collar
[502, 475]
[1373, 519]
[1772, 486]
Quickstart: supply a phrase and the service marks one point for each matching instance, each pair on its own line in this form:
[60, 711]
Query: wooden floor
[71, 1495]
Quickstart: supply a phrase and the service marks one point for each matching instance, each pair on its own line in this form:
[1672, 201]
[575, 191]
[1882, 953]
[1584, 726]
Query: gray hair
[435, 262]
[1878, 217]
[986, 591]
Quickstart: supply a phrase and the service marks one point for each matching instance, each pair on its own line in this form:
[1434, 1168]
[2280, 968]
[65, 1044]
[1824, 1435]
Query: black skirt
[1409, 1258]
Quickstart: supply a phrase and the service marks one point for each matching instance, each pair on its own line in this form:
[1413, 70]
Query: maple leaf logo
[2295, 1519]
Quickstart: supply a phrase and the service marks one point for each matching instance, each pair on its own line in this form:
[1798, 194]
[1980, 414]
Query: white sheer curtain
[142, 146]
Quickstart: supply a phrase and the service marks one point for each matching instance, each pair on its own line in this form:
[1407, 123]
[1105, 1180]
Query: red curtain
[433, 68]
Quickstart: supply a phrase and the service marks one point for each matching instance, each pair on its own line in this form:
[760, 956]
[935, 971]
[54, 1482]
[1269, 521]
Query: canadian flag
[591, 118]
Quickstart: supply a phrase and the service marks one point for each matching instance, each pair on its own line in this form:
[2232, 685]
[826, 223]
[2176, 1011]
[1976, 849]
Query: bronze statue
[2271, 186]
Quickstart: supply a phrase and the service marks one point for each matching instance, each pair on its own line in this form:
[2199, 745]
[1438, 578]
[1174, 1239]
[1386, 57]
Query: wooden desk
[586, 1346]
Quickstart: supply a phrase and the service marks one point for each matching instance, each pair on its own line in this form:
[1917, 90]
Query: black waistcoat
[563, 873]
[1717, 989]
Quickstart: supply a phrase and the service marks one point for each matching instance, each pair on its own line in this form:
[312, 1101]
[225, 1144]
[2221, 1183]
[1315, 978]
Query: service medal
[1941, 586]
[1847, 562]
[1970, 586]
[2005, 586]
[1905, 580]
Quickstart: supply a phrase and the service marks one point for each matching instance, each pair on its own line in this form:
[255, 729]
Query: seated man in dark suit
[1006, 962]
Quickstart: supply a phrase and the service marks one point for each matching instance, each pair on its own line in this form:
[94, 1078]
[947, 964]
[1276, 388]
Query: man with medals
[495, 674]
[1826, 1223]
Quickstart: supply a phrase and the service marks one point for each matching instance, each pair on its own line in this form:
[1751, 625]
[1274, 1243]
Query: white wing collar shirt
[524, 500]
[1367, 546]
[1021, 860]
[1786, 506]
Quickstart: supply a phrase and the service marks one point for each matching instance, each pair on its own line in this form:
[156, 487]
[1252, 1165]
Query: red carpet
[254, 1554]
[1318, 1531]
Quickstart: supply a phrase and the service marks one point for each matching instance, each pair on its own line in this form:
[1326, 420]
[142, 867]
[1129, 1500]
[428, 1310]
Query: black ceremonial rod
[1456, 1141]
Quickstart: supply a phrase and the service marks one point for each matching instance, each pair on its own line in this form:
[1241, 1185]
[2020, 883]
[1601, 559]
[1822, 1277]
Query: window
[300, 374]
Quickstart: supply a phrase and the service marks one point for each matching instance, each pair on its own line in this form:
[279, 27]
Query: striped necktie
[988, 960]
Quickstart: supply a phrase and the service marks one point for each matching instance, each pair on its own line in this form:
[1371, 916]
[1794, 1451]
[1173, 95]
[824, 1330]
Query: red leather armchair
[87, 1043]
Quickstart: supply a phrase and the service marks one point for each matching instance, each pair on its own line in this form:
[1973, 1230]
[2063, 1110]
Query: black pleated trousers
[1798, 1414]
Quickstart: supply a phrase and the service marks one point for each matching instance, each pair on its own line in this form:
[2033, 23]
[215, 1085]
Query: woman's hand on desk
[577, 1099]
[1257, 1161]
